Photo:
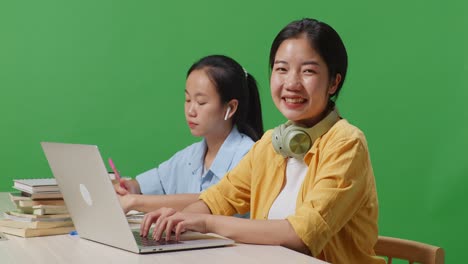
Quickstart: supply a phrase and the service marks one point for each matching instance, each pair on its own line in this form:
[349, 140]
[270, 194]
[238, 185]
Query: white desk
[68, 249]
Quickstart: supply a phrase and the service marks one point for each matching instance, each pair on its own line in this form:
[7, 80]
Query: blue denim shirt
[182, 173]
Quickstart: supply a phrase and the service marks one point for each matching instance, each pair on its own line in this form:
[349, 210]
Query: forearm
[148, 203]
[198, 207]
[267, 232]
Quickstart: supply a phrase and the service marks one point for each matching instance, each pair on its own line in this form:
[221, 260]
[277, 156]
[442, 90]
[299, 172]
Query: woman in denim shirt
[222, 105]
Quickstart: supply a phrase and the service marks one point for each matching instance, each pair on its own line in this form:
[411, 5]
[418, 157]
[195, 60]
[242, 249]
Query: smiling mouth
[294, 100]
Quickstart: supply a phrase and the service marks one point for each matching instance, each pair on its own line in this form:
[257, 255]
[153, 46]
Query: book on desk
[35, 232]
[36, 185]
[12, 222]
[40, 210]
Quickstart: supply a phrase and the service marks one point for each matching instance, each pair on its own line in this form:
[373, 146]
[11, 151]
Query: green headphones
[291, 140]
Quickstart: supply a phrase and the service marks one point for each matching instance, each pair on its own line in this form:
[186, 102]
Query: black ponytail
[254, 122]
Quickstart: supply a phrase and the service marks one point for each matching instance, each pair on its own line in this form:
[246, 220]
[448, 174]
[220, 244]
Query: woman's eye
[201, 103]
[309, 71]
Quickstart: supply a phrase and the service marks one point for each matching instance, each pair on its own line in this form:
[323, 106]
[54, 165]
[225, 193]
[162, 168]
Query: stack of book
[40, 210]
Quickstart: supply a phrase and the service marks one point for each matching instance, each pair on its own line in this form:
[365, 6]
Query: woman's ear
[334, 84]
[231, 109]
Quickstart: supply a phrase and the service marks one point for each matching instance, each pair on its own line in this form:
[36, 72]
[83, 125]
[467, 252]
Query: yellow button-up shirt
[336, 209]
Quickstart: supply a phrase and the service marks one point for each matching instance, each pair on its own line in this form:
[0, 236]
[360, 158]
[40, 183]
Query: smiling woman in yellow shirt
[336, 207]
[309, 183]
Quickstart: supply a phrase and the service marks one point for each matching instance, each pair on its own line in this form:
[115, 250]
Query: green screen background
[112, 73]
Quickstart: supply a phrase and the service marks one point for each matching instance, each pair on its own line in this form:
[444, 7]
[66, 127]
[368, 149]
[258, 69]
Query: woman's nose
[191, 110]
[292, 81]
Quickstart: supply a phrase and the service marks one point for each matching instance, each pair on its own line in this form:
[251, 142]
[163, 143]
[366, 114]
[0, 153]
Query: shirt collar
[199, 154]
[226, 153]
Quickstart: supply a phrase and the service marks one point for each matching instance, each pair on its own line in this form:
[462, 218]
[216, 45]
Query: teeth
[294, 100]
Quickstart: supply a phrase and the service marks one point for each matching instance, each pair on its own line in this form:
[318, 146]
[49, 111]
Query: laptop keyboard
[149, 241]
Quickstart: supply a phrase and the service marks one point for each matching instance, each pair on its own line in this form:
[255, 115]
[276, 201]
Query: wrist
[132, 201]
[209, 223]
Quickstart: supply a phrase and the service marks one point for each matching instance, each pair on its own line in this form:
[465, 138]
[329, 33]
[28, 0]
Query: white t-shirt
[285, 203]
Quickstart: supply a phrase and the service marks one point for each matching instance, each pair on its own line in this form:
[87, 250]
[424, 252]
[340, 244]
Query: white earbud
[227, 113]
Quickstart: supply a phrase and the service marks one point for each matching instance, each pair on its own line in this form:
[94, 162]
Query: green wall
[112, 73]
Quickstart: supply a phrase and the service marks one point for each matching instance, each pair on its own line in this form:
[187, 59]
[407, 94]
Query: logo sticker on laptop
[85, 194]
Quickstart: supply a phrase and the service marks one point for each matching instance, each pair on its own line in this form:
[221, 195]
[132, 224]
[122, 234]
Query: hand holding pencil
[125, 186]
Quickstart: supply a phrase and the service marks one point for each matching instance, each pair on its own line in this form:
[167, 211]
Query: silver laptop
[95, 209]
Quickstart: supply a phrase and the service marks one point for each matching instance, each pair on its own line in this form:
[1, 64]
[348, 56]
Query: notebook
[36, 185]
[95, 209]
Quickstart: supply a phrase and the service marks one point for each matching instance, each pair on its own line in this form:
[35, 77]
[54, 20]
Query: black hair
[324, 39]
[233, 82]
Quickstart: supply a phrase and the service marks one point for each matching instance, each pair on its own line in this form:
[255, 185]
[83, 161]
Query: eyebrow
[304, 63]
[196, 94]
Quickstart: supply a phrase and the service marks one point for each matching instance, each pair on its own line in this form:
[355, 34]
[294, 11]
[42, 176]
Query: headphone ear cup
[277, 139]
[297, 142]
[290, 141]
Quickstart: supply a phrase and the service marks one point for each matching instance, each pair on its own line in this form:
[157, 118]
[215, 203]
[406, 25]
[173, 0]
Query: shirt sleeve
[173, 175]
[337, 192]
[150, 182]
